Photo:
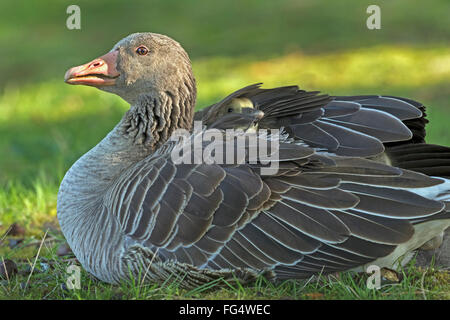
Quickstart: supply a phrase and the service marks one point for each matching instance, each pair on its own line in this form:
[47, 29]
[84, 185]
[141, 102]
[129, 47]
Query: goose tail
[429, 159]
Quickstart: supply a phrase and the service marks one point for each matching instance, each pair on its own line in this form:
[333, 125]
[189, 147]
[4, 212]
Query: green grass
[46, 276]
[36, 45]
[46, 125]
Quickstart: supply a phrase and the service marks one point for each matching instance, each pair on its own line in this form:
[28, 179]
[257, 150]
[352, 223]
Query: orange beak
[97, 73]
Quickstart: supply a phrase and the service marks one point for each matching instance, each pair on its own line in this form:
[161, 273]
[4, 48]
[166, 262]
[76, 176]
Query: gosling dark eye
[230, 110]
[142, 50]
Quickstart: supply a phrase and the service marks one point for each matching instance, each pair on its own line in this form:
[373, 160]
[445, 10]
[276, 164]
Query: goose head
[140, 64]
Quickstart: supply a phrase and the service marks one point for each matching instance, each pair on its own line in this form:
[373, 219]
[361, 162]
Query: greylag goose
[128, 210]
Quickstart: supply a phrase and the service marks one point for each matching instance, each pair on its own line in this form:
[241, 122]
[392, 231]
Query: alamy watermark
[73, 281]
[374, 280]
[374, 20]
[230, 146]
[74, 19]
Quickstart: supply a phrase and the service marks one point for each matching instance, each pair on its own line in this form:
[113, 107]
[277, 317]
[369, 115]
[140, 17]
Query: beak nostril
[96, 64]
[98, 72]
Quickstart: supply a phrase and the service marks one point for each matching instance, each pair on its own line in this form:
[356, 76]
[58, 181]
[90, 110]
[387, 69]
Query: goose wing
[315, 214]
[412, 113]
[347, 126]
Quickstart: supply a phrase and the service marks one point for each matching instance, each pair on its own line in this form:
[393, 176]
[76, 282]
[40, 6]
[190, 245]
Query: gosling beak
[97, 73]
[257, 114]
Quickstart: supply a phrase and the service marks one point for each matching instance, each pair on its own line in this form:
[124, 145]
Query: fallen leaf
[391, 275]
[16, 230]
[64, 250]
[14, 242]
[64, 287]
[44, 266]
[8, 268]
[314, 295]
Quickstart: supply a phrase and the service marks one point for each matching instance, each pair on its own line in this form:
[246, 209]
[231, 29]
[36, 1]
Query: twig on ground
[421, 284]
[35, 260]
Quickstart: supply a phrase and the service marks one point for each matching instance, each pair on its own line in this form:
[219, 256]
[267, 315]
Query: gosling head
[238, 113]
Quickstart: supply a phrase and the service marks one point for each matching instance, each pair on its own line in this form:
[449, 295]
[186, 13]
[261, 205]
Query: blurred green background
[45, 125]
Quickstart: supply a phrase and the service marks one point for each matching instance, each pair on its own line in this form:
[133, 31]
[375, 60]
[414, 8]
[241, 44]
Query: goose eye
[142, 51]
[230, 110]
